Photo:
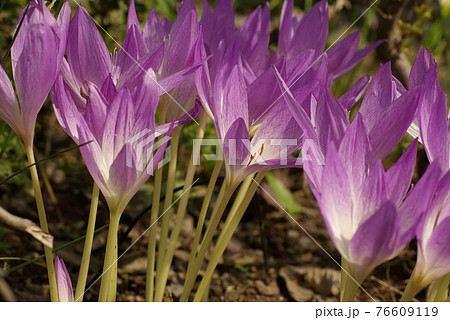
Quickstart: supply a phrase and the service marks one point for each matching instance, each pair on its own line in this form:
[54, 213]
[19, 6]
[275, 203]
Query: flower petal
[433, 260]
[374, 241]
[155, 30]
[390, 127]
[132, 18]
[355, 148]
[217, 25]
[9, 108]
[417, 203]
[235, 147]
[335, 200]
[87, 53]
[312, 31]
[352, 96]
[63, 281]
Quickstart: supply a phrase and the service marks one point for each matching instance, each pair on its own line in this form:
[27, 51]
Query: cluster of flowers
[252, 93]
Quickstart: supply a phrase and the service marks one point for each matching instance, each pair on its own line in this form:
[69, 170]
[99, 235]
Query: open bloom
[367, 215]
[225, 95]
[176, 47]
[63, 281]
[310, 32]
[88, 58]
[387, 111]
[301, 42]
[121, 131]
[36, 57]
[432, 118]
[112, 103]
[433, 238]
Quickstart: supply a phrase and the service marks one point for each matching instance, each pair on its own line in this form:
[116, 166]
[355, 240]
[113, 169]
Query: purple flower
[357, 197]
[88, 58]
[367, 215]
[218, 25]
[122, 132]
[432, 118]
[225, 94]
[433, 258]
[36, 57]
[433, 237]
[309, 32]
[63, 281]
[387, 112]
[182, 52]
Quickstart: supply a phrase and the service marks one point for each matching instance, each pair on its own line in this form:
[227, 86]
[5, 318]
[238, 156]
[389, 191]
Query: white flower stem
[109, 278]
[201, 222]
[240, 205]
[151, 250]
[84, 266]
[168, 198]
[348, 285]
[43, 224]
[439, 292]
[223, 198]
[414, 286]
[161, 277]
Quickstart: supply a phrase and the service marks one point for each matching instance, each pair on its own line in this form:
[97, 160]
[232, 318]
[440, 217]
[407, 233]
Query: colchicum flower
[110, 107]
[36, 57]
[367, 213]
[387, 111]
[113, 104]
[63, 281]
[299, 47]
[366, 210]
[223, 94]
[433, 236]
[433, 239]
[118, 134]
[88, 58]
[309, 32]
[240, 91]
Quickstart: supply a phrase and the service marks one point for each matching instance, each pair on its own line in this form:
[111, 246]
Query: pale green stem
[414, 286]
[206, 294]
[151, 250]
[109, 277]
[439, 292]
[87, 250]
[239, 200]
[44, 225]
[223, 198]
[161, 277]
[201, 221]
[349, 285]
[168, 199]
[113, 282]
[344, 277]
[238, 209]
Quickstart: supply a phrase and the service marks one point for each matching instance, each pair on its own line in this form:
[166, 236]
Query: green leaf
[283, 194]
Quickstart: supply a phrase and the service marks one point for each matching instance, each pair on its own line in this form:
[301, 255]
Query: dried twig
[50, 4]
[388, 286]
[5, 291]
[11, 221]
